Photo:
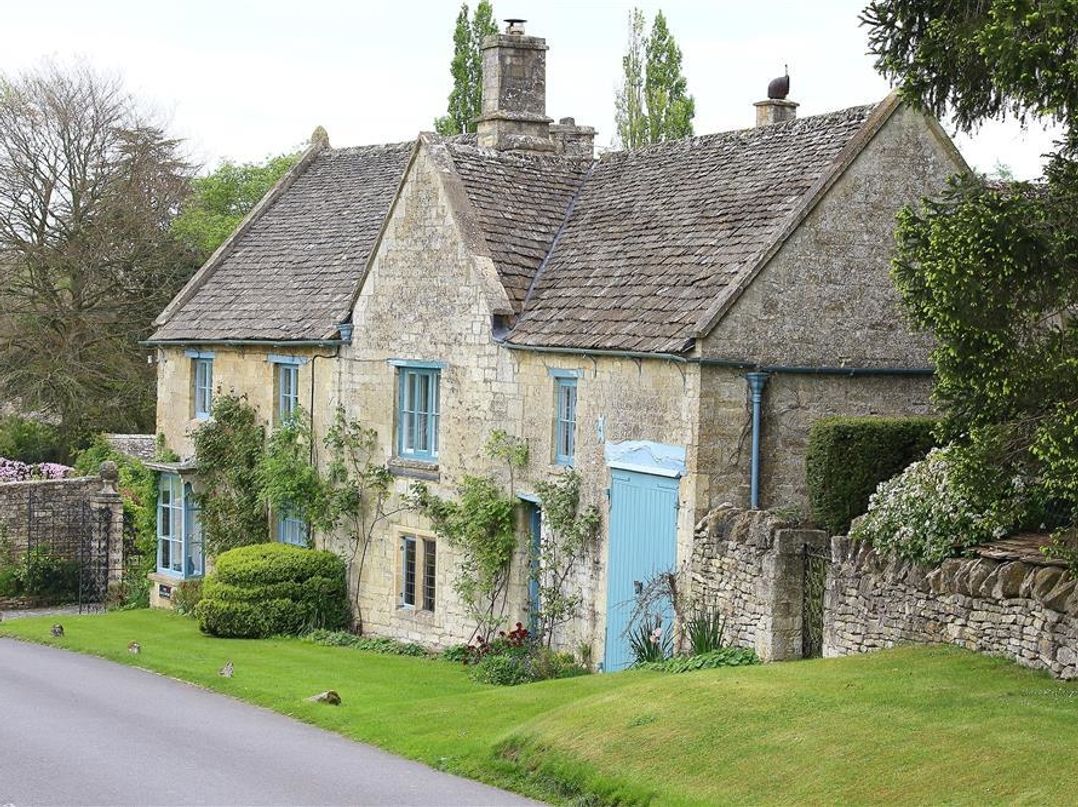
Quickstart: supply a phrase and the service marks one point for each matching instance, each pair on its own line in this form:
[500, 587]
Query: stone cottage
[668, 321]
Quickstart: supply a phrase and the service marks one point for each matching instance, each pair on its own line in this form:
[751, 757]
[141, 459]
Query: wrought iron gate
[813, 586]
[71, 539]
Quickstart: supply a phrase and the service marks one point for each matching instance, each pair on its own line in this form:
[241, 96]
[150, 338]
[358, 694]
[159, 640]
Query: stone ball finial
[110, 474]
[320, 137]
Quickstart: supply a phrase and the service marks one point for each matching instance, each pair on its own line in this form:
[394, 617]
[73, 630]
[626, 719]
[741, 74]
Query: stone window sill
[414, 469]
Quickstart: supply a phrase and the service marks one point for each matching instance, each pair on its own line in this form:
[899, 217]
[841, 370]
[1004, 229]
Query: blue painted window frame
[287, 389]
[292, 529]
[564, 420]
[202, 374]
[418, 412]
[180, 551]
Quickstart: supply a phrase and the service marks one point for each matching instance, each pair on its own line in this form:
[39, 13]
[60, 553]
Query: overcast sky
[244, 80]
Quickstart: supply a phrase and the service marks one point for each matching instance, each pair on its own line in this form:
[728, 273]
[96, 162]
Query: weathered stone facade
[749, 565]
[502, 270]
[1024, 611]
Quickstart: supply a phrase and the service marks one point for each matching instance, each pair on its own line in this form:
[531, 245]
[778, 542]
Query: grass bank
[915, 725]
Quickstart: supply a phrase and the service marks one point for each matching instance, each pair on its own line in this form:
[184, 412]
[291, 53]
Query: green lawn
[916, 725]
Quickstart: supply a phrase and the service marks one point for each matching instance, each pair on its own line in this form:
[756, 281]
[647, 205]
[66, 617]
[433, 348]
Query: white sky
[244, 79]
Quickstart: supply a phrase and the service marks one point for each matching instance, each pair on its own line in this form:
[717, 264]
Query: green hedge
[273, 589]
[848, 457]
[30, 441]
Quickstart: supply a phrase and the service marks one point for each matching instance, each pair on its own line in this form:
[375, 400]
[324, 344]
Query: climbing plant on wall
[480, 525]
[570, 535]
[230, 448]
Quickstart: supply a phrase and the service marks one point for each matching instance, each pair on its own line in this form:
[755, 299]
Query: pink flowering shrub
[15, 471]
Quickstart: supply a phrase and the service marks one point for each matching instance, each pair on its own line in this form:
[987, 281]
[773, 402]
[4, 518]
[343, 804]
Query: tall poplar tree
[652, 103]
[466, 97]
[670, 107]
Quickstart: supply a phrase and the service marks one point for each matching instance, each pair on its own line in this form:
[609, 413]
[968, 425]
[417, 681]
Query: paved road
[79, 730]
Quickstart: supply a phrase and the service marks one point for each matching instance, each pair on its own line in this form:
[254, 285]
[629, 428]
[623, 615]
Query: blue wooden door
[643, 543]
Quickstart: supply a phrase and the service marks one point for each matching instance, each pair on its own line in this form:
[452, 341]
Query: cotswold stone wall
[1023, 610]
[23, 502]
[749, 565]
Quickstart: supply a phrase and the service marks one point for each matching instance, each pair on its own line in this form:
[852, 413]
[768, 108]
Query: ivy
[230, 448]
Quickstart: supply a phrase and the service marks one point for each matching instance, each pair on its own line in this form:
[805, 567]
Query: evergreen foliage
[273, 589]
[30, 441]
[230, 448]
[991, 269]
[848, 457]
[652, 103]
[466, 68]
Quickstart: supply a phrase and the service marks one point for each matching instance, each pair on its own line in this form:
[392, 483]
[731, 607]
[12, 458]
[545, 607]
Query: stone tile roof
[139, 446]
[520, 201]
[291, 273]
[658, 235]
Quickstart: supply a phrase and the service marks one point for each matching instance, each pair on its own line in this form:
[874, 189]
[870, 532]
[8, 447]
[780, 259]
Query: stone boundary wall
[21, 503]
[749, 564]
[1024, 611]
[15, 502]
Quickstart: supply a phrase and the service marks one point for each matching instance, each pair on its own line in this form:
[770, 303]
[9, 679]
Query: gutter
[241, 342]
[734, 364]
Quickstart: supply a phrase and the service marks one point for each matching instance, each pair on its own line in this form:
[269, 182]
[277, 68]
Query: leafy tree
[221, 199]
[670, 108]
[631, 118]
[979, 60]
[466, 97]
[88, 190]
[652, 103]
[991, 268]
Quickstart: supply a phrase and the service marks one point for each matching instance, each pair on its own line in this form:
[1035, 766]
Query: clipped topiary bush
[848, 457]
[273, 589]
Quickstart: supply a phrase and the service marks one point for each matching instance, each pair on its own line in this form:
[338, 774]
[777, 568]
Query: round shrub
[923, 514]
[273, 589]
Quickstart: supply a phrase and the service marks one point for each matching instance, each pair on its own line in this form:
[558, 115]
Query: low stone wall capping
[749, 565]
[1012, 607]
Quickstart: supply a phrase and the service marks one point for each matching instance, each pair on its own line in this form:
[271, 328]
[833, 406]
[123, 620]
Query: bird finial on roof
[320, 137]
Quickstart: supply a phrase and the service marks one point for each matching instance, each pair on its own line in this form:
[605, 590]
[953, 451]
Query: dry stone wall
[1021, 610]
[22, 502]
[749, 565]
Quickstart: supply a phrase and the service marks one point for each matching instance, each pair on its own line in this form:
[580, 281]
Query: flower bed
[15, 471]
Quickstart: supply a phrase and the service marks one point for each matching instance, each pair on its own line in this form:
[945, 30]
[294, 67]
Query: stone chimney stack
[572, 140]
[514, 92]
[776, 109]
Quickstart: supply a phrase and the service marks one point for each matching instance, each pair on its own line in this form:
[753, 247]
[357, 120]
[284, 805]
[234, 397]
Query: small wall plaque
[164, 592]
